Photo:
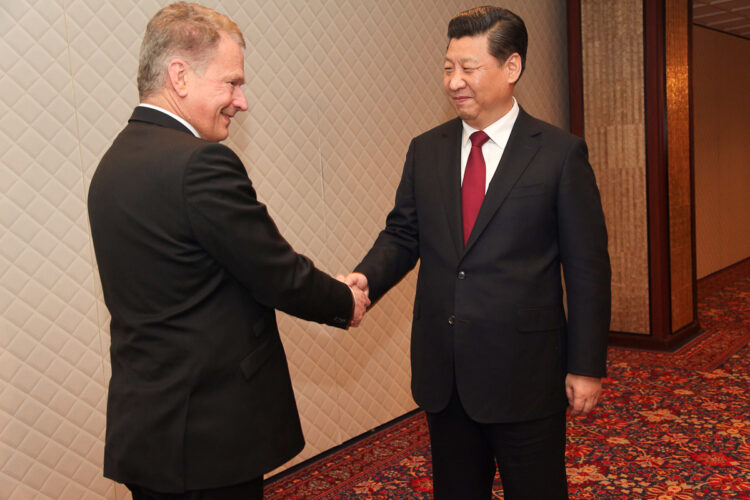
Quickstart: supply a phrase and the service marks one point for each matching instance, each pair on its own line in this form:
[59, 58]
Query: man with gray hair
[192, 268]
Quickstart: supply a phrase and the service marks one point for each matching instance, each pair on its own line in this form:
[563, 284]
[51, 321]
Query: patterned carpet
[669, 426]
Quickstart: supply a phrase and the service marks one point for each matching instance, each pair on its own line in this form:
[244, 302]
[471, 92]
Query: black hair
[506, 31]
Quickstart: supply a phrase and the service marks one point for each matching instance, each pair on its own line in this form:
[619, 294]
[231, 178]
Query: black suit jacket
[192, 268]
[489, 316]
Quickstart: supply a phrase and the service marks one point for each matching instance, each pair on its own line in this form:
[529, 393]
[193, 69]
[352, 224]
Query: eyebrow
[463, 60]
[237, 78]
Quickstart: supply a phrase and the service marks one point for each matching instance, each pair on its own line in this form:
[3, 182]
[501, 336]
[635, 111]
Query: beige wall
[336, 91]
[721, 128]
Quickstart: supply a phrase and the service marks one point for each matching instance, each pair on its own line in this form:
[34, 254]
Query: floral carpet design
[665, 433]
[673, 426]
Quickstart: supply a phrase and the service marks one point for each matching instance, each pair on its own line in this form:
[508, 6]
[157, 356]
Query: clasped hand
[360, 291]
[583, 393]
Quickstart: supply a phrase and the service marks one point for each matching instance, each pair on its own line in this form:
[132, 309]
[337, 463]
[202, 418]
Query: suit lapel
[523, 144]
[449, 178]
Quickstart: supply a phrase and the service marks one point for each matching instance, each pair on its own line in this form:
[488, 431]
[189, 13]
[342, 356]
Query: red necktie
[472, 189]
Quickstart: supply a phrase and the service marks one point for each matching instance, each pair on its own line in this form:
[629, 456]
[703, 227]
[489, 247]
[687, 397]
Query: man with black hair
[495, 203]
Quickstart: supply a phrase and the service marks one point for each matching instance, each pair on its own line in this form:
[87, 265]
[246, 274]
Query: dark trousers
[251, 490]
[530, 456]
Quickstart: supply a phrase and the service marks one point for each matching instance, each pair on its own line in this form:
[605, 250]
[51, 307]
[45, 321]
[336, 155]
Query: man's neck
[164, 105]
[164, 102]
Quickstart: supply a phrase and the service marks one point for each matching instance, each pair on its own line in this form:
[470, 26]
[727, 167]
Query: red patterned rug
[672, 426]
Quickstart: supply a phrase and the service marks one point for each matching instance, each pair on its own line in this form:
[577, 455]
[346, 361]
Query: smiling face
[477, 84]
[214, 94]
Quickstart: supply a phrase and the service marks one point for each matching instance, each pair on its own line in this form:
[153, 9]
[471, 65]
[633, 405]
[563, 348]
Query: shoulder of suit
[535, 125]
[451, 127]
[174, 150]
[173, 138]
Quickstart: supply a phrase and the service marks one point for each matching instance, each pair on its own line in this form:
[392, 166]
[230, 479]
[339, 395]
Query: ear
[513, 67]
[177, 73]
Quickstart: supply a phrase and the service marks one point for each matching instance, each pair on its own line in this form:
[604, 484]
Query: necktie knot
[478, 139]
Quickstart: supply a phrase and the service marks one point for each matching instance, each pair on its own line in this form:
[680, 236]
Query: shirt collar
[499, 131]
[179, 119]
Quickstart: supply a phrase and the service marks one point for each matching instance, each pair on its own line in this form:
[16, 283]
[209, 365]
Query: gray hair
[182, 29]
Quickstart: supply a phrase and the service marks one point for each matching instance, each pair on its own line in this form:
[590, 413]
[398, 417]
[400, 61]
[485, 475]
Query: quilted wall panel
[52, 397]
[336, 89]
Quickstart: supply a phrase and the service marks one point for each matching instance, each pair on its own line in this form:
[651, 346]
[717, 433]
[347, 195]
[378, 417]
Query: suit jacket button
[451, 319]
[461, 275]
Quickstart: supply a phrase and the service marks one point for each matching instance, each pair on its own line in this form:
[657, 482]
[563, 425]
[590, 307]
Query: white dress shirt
[179, 119]
[492, 150]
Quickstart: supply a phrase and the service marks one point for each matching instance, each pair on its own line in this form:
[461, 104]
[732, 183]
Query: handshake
[360, 291]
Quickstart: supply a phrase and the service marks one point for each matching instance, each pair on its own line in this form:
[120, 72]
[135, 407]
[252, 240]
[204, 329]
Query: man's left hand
[583, 393]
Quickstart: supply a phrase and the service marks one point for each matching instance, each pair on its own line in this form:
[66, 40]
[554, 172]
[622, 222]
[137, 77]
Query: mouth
[460, 99]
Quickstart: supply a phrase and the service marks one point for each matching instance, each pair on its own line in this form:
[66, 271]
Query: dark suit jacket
[490, 315]
[192, 267]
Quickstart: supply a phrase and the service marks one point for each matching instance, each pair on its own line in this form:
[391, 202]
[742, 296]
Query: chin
[219, 135]
[467, 117]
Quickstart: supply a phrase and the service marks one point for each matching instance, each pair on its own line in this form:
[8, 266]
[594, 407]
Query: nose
[239, 101]
[456, 81]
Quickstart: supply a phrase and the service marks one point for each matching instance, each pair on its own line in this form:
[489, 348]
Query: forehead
[228, 57]
[468, 47]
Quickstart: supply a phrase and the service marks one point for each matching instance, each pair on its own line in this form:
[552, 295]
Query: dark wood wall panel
[678, 161]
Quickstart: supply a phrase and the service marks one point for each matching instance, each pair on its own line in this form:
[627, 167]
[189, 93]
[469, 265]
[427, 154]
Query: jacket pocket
[523, 191]
[539, 319]
[256, 359]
